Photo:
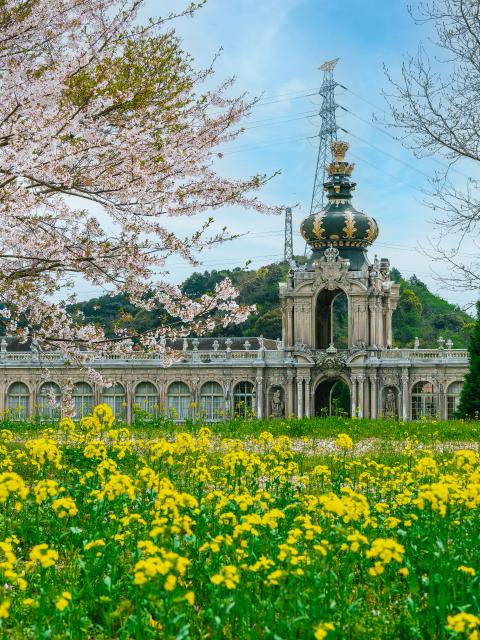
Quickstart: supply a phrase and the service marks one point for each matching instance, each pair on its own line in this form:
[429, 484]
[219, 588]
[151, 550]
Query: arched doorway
[331, 319]
[332, 397]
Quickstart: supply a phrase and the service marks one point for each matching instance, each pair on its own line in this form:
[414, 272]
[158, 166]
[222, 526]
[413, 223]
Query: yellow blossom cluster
[110, 533]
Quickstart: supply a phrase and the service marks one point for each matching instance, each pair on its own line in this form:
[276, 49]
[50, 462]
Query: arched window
[18, 400]
[178, 400]
[243, 395]
[424, 404]
[453, 398]
[146, 398]
[50, 391]
[211, 401]
[115, 397]
[82, 400]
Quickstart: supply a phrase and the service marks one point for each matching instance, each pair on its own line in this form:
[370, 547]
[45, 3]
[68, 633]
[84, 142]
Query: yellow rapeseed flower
[4, 607]
[228, 576]
[321, 631]
[43, 555]
[462, 622]
[63, 601]
[344, 442]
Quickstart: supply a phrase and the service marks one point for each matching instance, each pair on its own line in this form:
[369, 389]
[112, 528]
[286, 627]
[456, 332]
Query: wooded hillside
[419, 313]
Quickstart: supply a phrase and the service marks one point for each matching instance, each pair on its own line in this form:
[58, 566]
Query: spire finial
[339, 149]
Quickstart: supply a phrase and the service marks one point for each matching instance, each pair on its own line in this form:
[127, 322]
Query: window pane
[82, 400]
[18, 401]
[146, 398]
[45, 409]
[243, 399]
[178, 400]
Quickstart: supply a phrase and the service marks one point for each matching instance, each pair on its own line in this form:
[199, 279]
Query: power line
[390, 155]
[262, 145]
[448, 167]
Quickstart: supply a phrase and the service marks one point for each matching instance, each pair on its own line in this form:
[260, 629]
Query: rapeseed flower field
[104, 534]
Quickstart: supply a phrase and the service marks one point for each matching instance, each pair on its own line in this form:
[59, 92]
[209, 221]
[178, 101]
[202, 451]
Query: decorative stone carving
[359, 345]
[331, 270]
[328, 359]
[390, 403]
[277, 405]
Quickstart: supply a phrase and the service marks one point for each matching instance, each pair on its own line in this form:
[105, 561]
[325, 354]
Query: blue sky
[274, 48]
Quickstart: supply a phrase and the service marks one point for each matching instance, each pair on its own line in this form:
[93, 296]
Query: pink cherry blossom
[101, 113]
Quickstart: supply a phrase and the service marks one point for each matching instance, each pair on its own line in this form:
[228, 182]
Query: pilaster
[404, 379]
[299, 398]
[361, 381]
[354, 395]
[259, 394]
[373, 396]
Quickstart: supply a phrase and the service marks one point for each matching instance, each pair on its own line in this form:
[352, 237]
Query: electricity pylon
[327, 135]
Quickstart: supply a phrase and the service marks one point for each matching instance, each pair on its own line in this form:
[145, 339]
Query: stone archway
[332, 396]
[331, 319]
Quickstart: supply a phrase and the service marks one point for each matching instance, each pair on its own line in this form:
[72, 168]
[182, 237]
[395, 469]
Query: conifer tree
[469, 405]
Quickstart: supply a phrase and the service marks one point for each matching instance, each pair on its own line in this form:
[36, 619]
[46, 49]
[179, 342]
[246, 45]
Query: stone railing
[422, 354]
[35, 358]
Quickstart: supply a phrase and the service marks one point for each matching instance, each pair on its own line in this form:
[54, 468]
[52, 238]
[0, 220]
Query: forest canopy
[420, 313]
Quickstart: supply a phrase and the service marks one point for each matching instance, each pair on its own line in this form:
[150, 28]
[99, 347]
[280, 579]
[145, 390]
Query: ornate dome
[340, 224]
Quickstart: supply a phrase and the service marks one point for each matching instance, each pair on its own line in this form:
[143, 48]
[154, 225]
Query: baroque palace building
[294, 375]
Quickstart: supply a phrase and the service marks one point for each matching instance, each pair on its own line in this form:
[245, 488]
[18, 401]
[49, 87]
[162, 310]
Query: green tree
[469, 405]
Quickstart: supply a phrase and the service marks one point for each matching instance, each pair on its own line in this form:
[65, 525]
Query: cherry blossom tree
[107, 133]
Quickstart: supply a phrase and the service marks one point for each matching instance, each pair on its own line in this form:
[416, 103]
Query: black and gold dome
[340, 224]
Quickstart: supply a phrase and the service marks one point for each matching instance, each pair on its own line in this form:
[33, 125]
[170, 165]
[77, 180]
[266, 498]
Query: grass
[426, 431]
[238, 532]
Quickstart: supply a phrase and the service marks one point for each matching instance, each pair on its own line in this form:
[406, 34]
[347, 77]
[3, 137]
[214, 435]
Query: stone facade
[218, 378]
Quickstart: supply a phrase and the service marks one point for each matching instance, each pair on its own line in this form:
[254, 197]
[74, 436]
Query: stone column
[129, 387]
[299, 398]
[259, 381]
[405, 395]
[289, 404]
[380, 342]
[442, 401]
[354, 334]
[366, 397]
[388, 327]
[162, 399]
[307, 398]
[354, 395]
[373, 396]
[3, 393]
[361, 380]
[289, 337]
[373, 336]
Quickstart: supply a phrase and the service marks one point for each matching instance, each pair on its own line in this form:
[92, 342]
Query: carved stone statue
[390, 404]
[277, 404]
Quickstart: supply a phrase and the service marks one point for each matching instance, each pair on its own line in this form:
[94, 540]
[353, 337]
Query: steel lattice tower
[327, 135]
[288, 247]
